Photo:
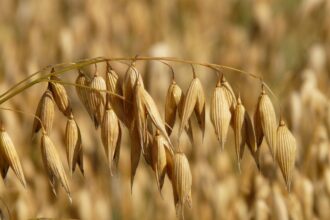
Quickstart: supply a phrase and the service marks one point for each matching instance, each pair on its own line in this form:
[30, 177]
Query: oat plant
[113, 101]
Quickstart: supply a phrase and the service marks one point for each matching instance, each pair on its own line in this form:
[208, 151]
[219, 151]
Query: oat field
[165, 109]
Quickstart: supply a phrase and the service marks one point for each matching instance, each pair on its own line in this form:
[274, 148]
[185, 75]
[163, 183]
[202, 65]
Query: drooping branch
[62, 68]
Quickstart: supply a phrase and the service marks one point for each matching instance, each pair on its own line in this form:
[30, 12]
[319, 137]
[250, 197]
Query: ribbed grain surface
[230, 95]
[194, 100]
[45, 112]
[220, 114]
[83, 92]
[286, 152]
[174, 98]
[182, 182]
[96, 99]
[9, 154]
[110, 135]
[53, 164]
[73, 145]
[60, 96]
[129, 82]
[268, 122]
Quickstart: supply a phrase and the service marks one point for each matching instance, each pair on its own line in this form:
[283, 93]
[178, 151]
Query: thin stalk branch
[86, 87]
[65, 67]
[24, 113]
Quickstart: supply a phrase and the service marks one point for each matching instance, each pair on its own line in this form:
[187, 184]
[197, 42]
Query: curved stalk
[65, 67]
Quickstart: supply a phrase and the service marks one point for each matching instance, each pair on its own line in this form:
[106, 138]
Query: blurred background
[285, 42]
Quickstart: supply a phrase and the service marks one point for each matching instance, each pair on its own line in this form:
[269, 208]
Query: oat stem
[41, 75]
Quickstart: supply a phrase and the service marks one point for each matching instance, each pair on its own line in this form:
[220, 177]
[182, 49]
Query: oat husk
[60, 96]
[111, 136]
[131, 77]
[96, 98]
[194, 101]
[230, 95]
[174, 99]
[286, 152]
[182, 182]
[113, 83]
[266, 117]
[83, 93]
[73, 144]
[158, 157]
[9, 157]
[140, 114]
[45, 111]
[220, 114]
[149, 105]
[53, 164]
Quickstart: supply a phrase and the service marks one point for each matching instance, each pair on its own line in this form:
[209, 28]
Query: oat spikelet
[130, 79]
[153, 113]
[73, 144]
[286, 152]
[45, 111]
[194, 101]
[96, 98]
[60, 96]
[110, 135]
[182, 182]
[113, 83]
[53, 164]
[239, 130]
[10, 157]
[111, 79]
[230, 95]
[140, 115]
[158, 157]
[268, 121]
[174, 99]
[82, 92]
[220, 114]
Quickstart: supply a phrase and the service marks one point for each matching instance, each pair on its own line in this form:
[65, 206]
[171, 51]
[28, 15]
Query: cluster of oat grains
[113, 101]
